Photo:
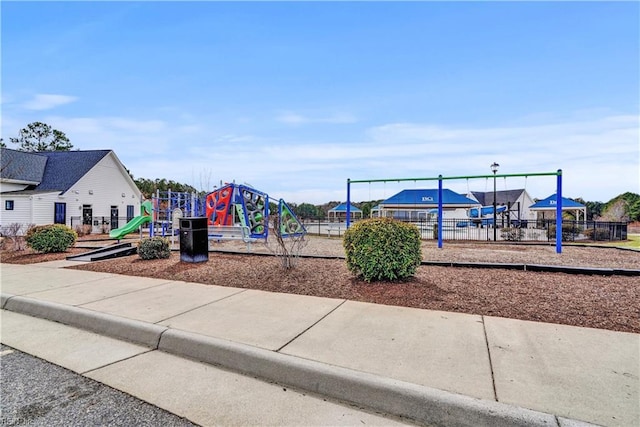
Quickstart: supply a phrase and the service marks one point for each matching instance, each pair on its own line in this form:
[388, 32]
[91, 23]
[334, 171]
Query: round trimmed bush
[50, 238]
[382, 249]
[154, 248]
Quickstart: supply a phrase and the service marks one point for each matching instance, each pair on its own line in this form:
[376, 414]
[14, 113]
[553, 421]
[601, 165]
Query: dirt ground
[606, 302]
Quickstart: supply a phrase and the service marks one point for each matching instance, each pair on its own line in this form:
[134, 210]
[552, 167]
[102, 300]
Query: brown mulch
[605, 302]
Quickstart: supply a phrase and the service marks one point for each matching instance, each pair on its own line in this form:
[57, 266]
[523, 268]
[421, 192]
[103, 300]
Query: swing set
[441, 178]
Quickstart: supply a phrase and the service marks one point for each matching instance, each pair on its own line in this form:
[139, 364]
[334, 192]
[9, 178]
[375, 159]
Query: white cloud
[599, 156]
[291, 118]
[44, 101]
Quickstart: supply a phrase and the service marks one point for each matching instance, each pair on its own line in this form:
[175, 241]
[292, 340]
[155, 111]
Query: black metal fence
[97, 224]
[482, 230]
[452, 229]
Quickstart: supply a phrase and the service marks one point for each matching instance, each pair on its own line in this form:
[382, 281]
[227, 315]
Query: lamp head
[494, 167]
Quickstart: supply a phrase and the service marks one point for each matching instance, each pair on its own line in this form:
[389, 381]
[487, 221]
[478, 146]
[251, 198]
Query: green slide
[133, 225]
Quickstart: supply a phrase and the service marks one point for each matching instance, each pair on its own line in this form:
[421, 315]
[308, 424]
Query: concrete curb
[393, 397]
[135, 331]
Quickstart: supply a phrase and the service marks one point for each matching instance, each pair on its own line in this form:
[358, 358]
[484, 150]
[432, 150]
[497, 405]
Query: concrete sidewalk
[428, 367]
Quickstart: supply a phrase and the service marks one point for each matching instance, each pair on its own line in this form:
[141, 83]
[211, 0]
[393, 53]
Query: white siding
[43, 208]
[526, 201]
[25, 211]
[106, 184]
[102, 187]
[11, 186]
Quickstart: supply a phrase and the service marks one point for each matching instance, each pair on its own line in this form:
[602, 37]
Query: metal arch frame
[441, 178]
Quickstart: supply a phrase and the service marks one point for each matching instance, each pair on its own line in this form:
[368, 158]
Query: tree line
[39, 136]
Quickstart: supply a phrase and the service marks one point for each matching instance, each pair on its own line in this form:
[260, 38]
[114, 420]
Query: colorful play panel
[235, 205]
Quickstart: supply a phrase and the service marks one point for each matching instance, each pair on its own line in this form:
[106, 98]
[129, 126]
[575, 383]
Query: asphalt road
[37, 393]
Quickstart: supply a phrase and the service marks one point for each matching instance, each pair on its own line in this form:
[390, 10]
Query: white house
[518, 203]
[90, 189]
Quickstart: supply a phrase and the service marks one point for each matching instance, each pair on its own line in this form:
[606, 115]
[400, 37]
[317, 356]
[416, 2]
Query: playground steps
[108, 252]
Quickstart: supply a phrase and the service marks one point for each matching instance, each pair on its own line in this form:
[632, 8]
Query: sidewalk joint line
[119, 295]
[200, 306]
[160, 338]
[118, 361]
[311, 326]
[493, 378]
[10, 296]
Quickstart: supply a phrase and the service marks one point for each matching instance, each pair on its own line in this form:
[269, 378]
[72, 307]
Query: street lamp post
[494, 169]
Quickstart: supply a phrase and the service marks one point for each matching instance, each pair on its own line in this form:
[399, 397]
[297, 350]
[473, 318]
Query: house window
[8, 205]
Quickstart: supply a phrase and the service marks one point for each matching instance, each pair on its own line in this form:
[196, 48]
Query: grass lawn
[633, 241]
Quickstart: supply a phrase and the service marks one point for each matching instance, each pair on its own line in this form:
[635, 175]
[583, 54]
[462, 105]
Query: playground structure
[242, 212]
[169, 206]
[439, 225]
[238, 209]
[233, 212]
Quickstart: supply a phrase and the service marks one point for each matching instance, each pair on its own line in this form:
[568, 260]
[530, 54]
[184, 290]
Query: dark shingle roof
[502, 197]
[22, 166]
[49, 170]
[65, 168]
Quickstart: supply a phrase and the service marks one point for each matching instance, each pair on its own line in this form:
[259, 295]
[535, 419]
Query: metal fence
[97, 224]
[482, 230]
[452, 229]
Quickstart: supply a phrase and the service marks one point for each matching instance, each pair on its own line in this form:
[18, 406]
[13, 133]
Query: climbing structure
[290, 225]
[239, 205]
[242, 205]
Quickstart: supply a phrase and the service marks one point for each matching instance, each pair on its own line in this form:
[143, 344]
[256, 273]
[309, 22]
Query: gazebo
[340, 212]
[549, 205]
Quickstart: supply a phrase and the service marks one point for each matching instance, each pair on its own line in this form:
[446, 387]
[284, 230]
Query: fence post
[440, 211]
[559, 213]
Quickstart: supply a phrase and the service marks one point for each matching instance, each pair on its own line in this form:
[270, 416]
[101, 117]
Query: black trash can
[194, 243]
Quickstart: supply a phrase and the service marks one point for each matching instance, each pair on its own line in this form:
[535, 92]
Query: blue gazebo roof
[429, 197]
[550, 203]
[342, 207]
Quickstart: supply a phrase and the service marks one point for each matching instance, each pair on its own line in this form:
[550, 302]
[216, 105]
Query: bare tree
[616, 212]
[205, 181]
[14, 233]
[286, 242]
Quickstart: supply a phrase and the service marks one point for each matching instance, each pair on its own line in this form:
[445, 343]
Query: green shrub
[382, 249]
[50, 238]
[154, 248]
[597, 234]
[512, 234]
[569, 231]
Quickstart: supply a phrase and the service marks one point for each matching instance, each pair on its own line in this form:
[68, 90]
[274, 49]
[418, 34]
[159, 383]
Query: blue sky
[294, 98]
